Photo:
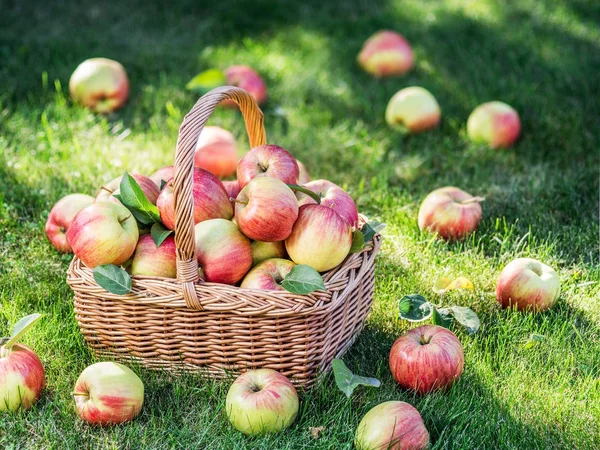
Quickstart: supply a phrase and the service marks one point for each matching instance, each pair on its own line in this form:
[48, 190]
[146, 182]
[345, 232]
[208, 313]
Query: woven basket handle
[192, 126]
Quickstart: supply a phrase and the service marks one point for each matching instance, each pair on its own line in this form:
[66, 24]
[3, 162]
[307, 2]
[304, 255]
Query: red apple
[113, 187]
[210, 200]
[528, 284]
[61, 216]
[413, 109]
[386, 53]
[224, 253]
[333, 197]
[108, 393]
[216, 151]
[233, 188]
[248, 79]
[162, 174]
[268, 274]
[427, 358]
[267, 250]
[320, 238]
[22, 377]
[450, 212]
[261, 401]
[100, 84]
[303, 175]
[266, 209]
[150, 260]
[267, 161]
[495, 124]
[392, 426]
[103, 233]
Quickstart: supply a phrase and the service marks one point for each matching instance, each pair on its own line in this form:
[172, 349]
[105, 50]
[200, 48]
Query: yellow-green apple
[427, 358]
[108, 393]
[151, 260]
[267, 161]
[320, 238]
[103, 233]
[333, 197]
[223, 252]
[61, 216]
[100, 84]
[22, 377]
[248, 79]
[413, 109]
[162, 174]
[266, 209]
[113, 187]
[303, 175]
[386, 53]
[392, 426]
[216, 151]
[267, 250]
[210, 200]
[495, 124]
[261, 401]
[268, 274]
[450, 212]
[528, 284]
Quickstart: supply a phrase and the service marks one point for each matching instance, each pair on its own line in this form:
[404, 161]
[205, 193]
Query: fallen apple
[61, 216]
[413, 109]
[268, 274]
[495, 124]
[149, 260]
[100, 84]
[216, 151]
[248, 79]
[267, 161]
[386, 53]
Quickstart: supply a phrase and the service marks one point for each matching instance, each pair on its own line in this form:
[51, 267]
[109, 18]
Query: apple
[22, 377]
[248, 79]
[223, 252]
[216, 151]
[267, 161]
[413, 109]
[495, 124]
[266, 209]
[386, 53]
[61, 216]
[210, 200]
[150, 260]
[113, 187]
[427, 358]
[392, 426]
[268, 274]
[108, 393]
[266, 250]
[528, 284]
[303, 175]
[100, 84]
[261, 401]
[320, 238]
[162, 174]
[103, 233]
[232, 187]
[333, 197]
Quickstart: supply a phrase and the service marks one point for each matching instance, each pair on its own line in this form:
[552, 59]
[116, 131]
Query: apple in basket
[150, 260]
[248, 79]
[61, 216]
[495, 124]
[267, 161]
[413, 109]
[267, 250]
[386, 53]
[112, 188]
[261, 401]
[333, 197]
[233, 189]
[303, 175]
[108, 393]
[100, 84]
[268, 274]
[216, 151]
[163, 174]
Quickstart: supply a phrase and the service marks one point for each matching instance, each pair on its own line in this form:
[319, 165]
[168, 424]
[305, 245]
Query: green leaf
[467, 317]
[346, 381]
[358, 241]
[442, 317]
[159, 233]
[21, 327]
[534, 341]
[303, 279]
[112, 278]
[370, 229]
[135, 200]
[162, 184]
[415, 308]
[207, 80]
[118, 197]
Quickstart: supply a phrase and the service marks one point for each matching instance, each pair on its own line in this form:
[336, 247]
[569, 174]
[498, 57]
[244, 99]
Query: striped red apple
[268, 274]
[163, 174]
[150, 260]
[61, 216]
[386, 53]
[495, 124]
[267, 161]
[248, 79]
[216, 151]
[333, 197]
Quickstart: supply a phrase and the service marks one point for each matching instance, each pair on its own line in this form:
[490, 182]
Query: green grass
[542, 197]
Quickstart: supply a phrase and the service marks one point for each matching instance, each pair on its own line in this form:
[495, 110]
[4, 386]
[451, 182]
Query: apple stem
[425, 340]
[231, 199]
[296, 187]
[263, 168]
[473, 200]
[123, 221]
[102, 188]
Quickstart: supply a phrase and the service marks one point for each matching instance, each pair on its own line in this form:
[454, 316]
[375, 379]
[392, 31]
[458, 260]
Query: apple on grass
[386, 53]
[268, 274]
[392, 426]
[261, 401]
[61, 216]
[450, 212]
[216, 151]
[108, 393]
[528, 284]
[103, 233]
[333, 197]
[248, 79]
[22, 377]
[267, 161]
[149, 188]
[495, 124]
[149, 260]
[413, 109]
[427, 358]
[163, 174]
[100, 84]
[267, 250]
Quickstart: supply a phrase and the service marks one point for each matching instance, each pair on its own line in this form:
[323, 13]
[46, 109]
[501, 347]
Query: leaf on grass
[112, 278]
[467, 317]
[207, 80]
[21, 327]
[303, 279]
[347, 381]
[446, 284]
[358, 241]
[371, 228]
[415, 308]
[135, 200]
[159, 233]
[442, 317]
[533, 341]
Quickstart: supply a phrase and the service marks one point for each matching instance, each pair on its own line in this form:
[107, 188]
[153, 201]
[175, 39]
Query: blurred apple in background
[386, 53]
[450, 212]
[413, 109]
[100, 84]
[248, 79]
[154, 261]
[495, 124]
[61, 216]
[22, 377]
[333, 197]
[267, 250]
[148, 187]
[267, 161]
[303, 175]
[268, 274]
[162, 174]
[216, 151]
[528, 284]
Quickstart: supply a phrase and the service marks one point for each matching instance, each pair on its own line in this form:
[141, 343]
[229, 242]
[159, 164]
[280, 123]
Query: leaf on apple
[346, 381]
[207, 80]
[135, 200]
[467, 317]
[159, 233]
[113, 278]
[303, 279]
[533, 341]
[21, 327]
[442, 317]
[358, 241]
[446, 284]
[415, 308]
[370, 229]
[162, 184]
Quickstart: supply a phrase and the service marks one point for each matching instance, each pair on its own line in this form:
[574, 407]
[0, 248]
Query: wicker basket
[216, 329]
